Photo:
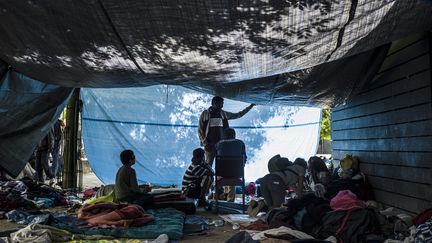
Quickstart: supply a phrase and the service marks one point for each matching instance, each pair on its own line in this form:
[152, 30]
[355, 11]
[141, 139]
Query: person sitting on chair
[230, 146]
[212, 123]
[126, 185]
[198, 177]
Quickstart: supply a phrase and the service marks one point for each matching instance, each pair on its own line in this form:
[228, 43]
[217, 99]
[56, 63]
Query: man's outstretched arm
[231, 116]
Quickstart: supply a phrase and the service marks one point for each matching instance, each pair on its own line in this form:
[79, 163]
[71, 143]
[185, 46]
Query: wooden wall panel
[409, 159]
[389, 126]
[403, 202]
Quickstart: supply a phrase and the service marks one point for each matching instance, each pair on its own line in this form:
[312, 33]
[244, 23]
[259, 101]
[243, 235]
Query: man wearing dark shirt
[126, 185]
[212, 123]
[230, 146]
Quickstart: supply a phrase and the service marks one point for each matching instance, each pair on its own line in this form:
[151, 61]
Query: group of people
[218, 139]
[299, 176]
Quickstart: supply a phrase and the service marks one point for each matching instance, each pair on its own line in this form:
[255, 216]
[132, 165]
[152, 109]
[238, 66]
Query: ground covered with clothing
[341, 210]
[198, 230]
[92, 215]
[345, 218]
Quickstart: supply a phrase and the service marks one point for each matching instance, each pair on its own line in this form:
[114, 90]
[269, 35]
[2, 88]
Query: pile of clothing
[13, 195]
[27, 194]
[345, 218]
[38, 233]
[399, 227]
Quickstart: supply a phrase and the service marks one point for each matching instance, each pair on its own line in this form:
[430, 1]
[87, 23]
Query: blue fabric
[21, 217]
[230, 147]
[47, 203]
[28, 109]
[159, 124]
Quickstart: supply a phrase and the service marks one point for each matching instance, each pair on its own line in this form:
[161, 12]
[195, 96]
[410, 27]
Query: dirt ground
[215, 234]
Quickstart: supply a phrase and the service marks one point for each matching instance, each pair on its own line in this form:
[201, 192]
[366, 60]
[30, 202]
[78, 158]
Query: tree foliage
[325, 124]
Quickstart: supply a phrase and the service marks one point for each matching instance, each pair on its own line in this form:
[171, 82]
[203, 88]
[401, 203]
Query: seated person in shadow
[230, 146]
[283, 174]
[126, 185]
[197, 178]
[317, 176]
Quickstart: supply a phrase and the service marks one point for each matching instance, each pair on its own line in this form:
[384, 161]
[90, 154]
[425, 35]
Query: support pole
[71, 142]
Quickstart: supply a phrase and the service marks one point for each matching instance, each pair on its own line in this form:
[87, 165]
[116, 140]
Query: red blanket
[110, 214]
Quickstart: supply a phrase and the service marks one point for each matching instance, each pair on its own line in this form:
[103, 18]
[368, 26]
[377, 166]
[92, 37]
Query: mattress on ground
[228, 207]
[167, 221]
[187, 206]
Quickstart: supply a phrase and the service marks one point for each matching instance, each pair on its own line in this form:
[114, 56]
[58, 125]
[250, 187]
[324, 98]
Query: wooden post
[71, 146]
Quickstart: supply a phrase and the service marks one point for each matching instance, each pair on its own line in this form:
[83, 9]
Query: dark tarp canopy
[207, 45]
[294, 52]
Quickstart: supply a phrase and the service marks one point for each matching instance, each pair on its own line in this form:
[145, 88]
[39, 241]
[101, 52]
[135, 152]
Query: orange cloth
[109, 214]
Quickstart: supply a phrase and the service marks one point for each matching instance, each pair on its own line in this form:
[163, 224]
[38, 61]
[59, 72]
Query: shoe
[256, 207]
[251, 206]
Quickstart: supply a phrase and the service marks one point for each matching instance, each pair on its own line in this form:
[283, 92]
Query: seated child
[317, 176]
[126, 185]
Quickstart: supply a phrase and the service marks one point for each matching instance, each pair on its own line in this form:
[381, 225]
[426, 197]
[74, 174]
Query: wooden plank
[401, 44]
[414, 144]
[402, 187]
[412, 66]
[423, 160]
[404, 202]
[408, 70]
[417, 175]
[409, 114]
[405, 54]
[416, 128]
[418, 96]
[416, 81]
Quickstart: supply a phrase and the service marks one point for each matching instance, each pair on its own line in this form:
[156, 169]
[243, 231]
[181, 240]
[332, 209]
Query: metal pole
[71, 147]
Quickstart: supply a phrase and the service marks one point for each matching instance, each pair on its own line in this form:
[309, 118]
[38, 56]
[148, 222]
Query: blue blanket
[167, 221]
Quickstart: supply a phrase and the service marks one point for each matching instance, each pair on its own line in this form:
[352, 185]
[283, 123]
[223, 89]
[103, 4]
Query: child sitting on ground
[126, 185]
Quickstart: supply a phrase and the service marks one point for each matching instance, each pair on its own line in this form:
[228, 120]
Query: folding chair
[231, 169]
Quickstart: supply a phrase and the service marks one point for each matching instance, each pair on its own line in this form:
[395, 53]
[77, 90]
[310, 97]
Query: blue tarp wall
[28, 110]
[160, 124]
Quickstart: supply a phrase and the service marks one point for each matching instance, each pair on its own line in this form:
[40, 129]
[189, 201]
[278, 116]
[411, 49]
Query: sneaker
[255, 208]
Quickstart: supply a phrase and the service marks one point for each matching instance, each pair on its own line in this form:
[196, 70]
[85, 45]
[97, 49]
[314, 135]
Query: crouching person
[126, 185]
[283, 174]
[198, 178]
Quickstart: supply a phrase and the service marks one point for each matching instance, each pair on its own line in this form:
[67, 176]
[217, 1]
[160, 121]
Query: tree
[325, 124]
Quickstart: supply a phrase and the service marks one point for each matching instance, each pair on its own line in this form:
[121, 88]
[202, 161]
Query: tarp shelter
[267, 52]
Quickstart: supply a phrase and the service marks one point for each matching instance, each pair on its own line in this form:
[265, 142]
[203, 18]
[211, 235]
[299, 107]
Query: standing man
[43, 154]
[212, 124]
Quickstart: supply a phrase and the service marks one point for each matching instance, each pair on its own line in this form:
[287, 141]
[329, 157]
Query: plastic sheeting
[292, 52]
[28, 109]
[261, 51]
[159, 123]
